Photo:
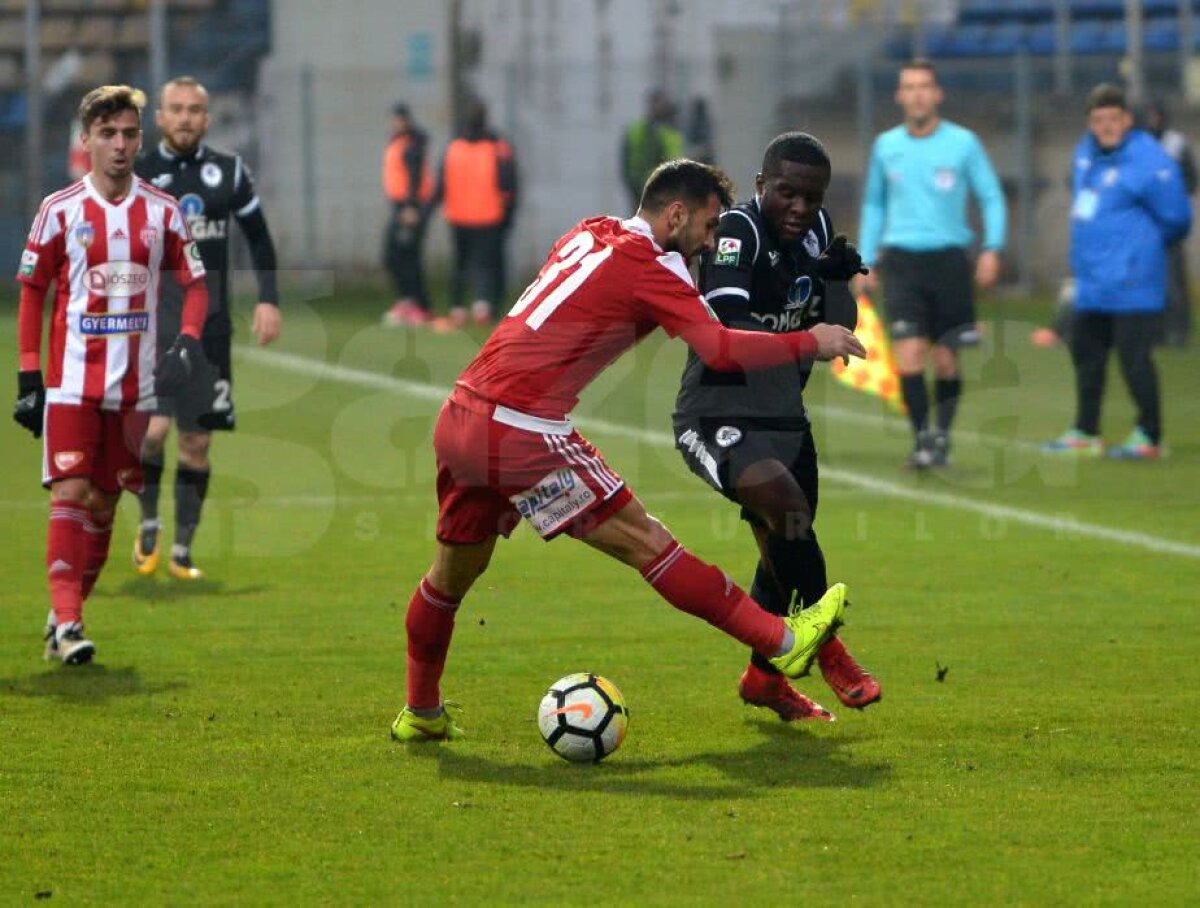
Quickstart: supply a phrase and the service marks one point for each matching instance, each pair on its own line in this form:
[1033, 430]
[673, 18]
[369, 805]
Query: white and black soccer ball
[583, 717]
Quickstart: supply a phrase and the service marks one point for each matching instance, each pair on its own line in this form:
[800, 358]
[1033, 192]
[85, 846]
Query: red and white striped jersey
[605, 286]
[107, 261]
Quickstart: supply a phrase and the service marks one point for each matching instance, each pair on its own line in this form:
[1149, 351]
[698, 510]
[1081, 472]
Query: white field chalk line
[1065, 526]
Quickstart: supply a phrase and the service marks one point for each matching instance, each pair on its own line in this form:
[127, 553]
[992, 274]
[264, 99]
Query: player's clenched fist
[31, 401]
[834, 341]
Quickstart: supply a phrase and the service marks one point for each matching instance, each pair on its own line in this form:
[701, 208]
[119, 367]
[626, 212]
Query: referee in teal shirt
[914, 228]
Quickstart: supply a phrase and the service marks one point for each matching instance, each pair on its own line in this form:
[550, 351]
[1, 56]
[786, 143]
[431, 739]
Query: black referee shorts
[206, 404]
[720, 450]
[930, 295]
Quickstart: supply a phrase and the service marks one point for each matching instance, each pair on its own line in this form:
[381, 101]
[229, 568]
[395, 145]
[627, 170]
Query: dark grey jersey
[212, 187]
[755, 283]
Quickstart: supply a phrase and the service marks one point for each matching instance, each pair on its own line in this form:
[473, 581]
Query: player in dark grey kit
[777, 267]
[212, 187]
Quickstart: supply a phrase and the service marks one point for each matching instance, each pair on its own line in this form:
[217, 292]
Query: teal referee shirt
[916, 194]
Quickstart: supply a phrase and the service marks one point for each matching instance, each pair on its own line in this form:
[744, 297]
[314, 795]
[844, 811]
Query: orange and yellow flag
[877, 373]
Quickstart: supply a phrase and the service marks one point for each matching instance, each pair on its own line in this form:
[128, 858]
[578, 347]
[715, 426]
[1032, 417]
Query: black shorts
[206, 404]
[930, 295]
[720, 450]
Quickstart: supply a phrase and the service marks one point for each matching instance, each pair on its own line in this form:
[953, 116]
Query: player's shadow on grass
[151, 590]
[91, 684]
[786, 757]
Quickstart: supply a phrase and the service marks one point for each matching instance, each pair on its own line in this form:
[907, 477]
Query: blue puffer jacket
[1128, 204]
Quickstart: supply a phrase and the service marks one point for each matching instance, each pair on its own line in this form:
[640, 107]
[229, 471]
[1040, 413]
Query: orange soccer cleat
[757, 688]
[852, 683]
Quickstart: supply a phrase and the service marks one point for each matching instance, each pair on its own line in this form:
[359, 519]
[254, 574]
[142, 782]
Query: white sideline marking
[1057, 524]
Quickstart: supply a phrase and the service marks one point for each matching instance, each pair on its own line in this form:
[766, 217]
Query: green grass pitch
[230, 745]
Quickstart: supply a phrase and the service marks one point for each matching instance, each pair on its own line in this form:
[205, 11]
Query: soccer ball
[583, 717]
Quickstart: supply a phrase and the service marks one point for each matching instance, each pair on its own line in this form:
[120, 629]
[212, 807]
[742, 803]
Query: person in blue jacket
[1128, 205]
[914, 229]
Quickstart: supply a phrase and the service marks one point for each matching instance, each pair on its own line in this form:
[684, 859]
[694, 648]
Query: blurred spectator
[700, 133]
[1128, 206]
[408, 185]
[648, 142]
[1177, 320]
[477, 188]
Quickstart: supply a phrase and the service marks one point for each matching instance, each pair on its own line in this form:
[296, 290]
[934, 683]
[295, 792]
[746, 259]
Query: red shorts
[496, 466]
[104, 446]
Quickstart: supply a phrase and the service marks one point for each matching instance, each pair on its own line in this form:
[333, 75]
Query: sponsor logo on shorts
[29, 260]
[727, 436]
[729, 251]
[67, 460]
[120, 280]
[99, 324]
[556, 499]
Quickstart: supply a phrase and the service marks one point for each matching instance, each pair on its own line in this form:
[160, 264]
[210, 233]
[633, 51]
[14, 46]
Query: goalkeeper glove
[30, 407]
[841, 261]
[182, 359]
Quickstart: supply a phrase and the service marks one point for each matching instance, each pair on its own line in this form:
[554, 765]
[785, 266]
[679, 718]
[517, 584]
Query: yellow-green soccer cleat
[181, 568]
[812, 627]
[145, 551]
[409, 728]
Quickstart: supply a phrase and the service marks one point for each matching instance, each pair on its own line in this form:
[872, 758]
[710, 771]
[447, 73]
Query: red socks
[66, 553]
[430, 624]
[97, 536]
[705, 591]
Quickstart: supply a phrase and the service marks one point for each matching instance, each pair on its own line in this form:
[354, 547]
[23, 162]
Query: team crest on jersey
[149, 237]
[210, 173]
[84, 234]
[729, 250]
[66, 460]
[29, 260]
[163, 180]
[944, 178]
[1110, 176]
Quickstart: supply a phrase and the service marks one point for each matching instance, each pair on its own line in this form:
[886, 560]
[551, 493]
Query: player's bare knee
[75, 489]
[193, 449]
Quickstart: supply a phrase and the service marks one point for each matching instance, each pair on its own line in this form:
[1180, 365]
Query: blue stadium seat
[1006, 39]
[1087, 37]
[1161, 35]
[1042, 38]
[1099, 9]
[970, 41]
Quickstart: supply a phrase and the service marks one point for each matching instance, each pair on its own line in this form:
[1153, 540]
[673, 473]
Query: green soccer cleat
[812, 627]
[1075, 443]
[409, 728]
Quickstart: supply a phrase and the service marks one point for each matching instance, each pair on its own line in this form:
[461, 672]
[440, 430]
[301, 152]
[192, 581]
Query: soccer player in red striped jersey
[105, 243]
[506, 449]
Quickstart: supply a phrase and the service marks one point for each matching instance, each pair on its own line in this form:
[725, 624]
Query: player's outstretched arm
[730, 350]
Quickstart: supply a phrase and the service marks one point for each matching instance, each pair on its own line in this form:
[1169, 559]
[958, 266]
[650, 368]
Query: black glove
[841, 261]
[31, 401]
[182, 359]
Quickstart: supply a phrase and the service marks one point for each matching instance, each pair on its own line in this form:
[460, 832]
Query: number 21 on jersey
[575, 262]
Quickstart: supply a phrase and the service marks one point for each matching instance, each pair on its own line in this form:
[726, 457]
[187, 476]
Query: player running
[212, 187]
[777, 268]
[105, 242]
[506, 449]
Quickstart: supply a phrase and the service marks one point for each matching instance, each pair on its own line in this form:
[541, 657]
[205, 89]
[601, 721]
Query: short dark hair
[1106, 95]
[798, 147]
[920, 63]
[108, 101]
[180, 82]
[686, 181]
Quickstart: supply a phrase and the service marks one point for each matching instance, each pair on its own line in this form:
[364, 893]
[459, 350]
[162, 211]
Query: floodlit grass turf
[231, 743]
